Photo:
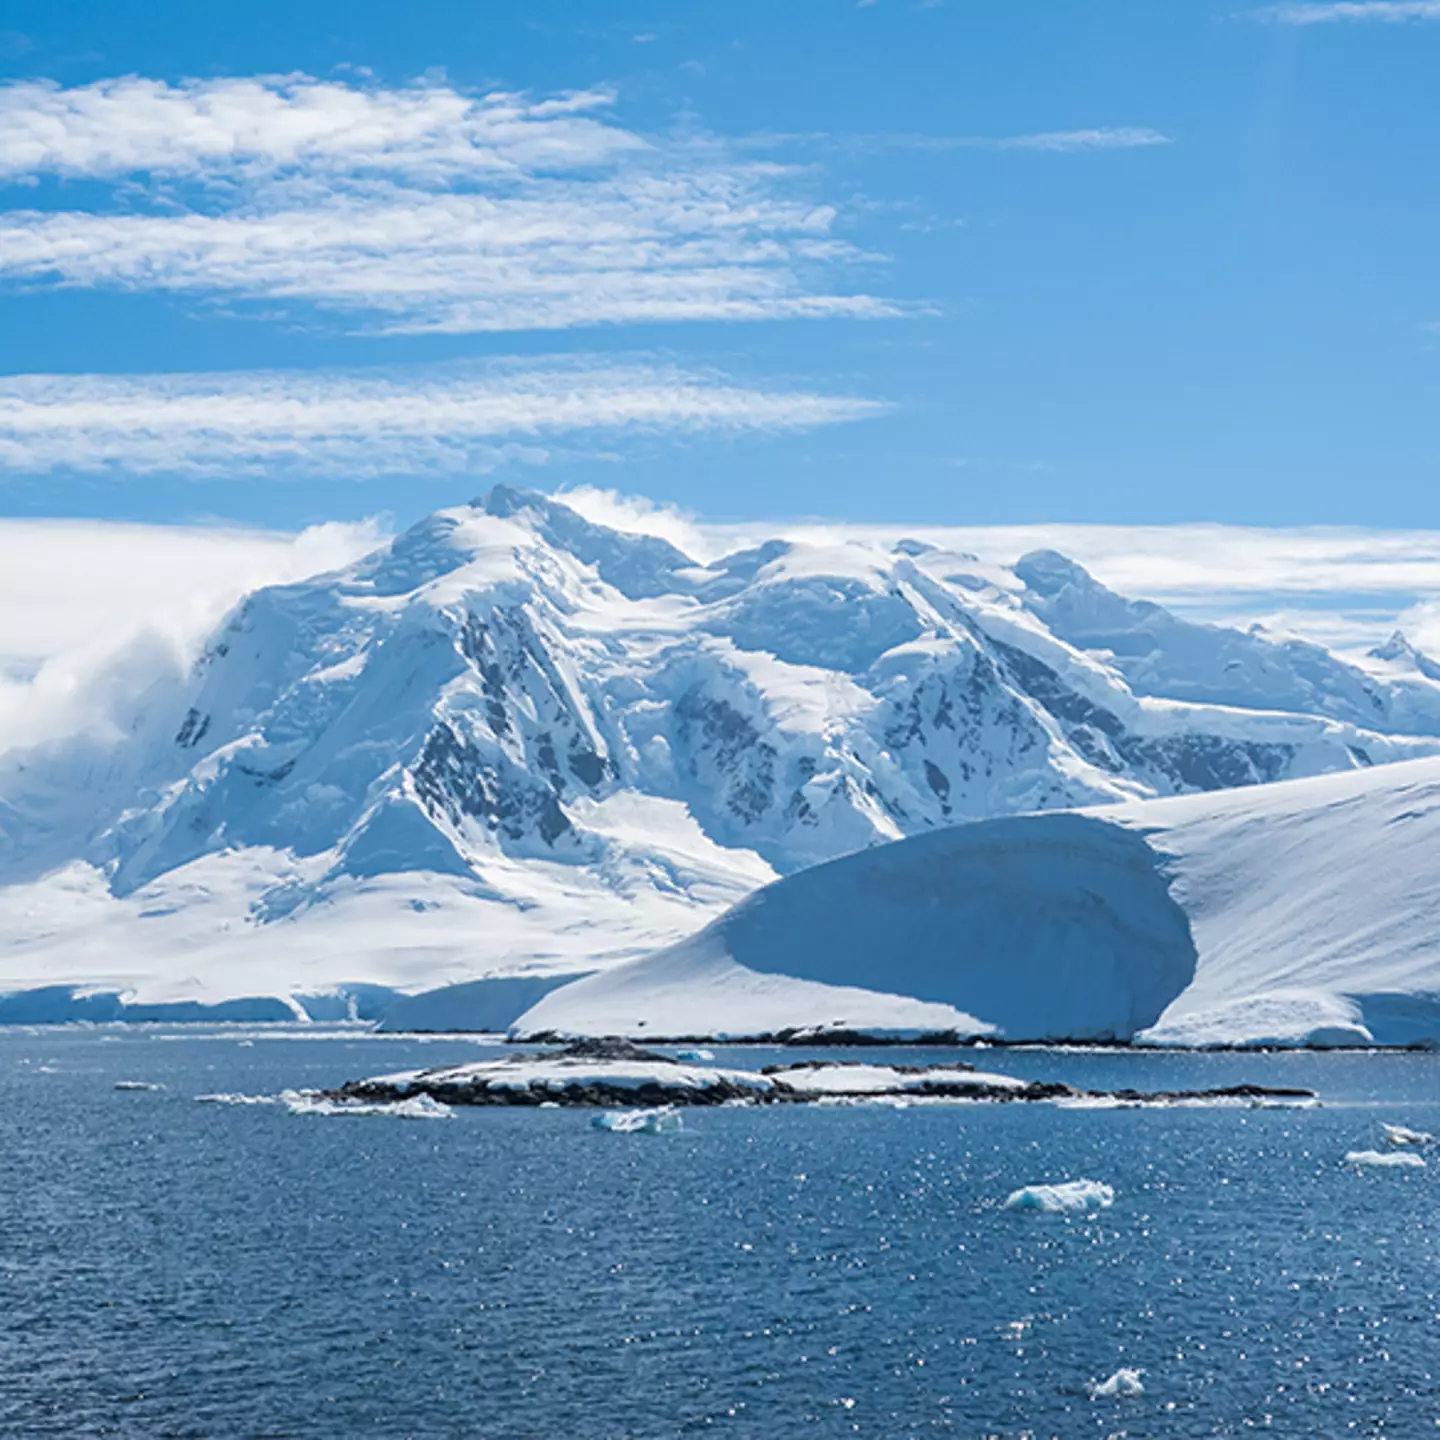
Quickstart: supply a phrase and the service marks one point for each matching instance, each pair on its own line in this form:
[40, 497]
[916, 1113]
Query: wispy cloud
[1114, 137]
[366, 424]
[1385, 11]
[1124, 137]
[417, 209]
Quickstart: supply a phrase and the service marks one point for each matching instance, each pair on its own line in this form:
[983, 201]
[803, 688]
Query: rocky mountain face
[507, 690]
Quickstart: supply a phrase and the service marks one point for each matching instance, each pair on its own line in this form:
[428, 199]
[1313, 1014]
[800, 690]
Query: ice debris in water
[1392, 1159]
[1124, 1384]
[639, 1122]
[417, 1107]
[1399, 1135]
[311, 1102]
[694, 1054]
[1073, 1197]
[137, 1085]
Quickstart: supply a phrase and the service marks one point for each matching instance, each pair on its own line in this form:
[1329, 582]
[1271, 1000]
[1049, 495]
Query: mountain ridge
[565, 743]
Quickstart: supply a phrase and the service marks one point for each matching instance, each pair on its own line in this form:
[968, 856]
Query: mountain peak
[1399, 648]
[638, 566]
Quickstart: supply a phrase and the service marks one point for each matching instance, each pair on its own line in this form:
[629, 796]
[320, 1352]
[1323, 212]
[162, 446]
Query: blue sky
[967, 263]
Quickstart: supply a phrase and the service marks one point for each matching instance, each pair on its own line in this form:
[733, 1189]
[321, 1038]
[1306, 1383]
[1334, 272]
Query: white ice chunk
[694, 1054]
[639, 1122]
[230, 1097]
[1071, 1198]
[137, 1085]
[1391, 1159]
[1124, 1384]
[1399, 1135]
[417, 1107]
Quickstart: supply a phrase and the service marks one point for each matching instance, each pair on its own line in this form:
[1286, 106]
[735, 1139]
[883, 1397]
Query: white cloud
[264, 123]
[420, 209]
[363, 424]
[1124, 137]
[1115, 137]
[92, 612]
[1386, 11]
[640, 516]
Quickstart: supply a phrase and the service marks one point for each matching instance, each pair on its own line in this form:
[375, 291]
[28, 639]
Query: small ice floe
[1385, 1159]
[137, 1085]
[230, 1097]
[1074, 1197]
[417, 1107]
[1124, 1384]
[1399, 1135]
[663, 1121]
[694, 1054]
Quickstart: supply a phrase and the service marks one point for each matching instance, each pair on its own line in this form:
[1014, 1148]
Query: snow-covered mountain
[1302, 913]
[513, 742]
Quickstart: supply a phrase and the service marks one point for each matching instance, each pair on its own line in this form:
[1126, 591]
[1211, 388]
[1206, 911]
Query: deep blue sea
[173, 1268]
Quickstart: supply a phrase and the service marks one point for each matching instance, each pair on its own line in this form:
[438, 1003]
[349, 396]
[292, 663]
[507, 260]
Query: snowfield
[518, 769]
[1300, 913]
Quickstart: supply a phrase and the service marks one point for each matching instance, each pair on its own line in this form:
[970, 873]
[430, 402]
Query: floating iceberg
[639, 1122]
[137, 1085]
[694, 1054]
[1390, 1159]
[1124, 1384]
[230, 1097]
[1074, 1197]
[1399, 1135]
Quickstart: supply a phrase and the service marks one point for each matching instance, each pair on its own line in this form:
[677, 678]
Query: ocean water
[170, 1268]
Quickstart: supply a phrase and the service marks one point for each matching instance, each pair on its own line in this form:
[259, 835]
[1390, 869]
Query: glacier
[1303, 913]
[513, 754]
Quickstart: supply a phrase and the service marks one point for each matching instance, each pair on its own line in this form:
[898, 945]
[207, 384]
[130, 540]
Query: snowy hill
[1302, 913]
[516, 743]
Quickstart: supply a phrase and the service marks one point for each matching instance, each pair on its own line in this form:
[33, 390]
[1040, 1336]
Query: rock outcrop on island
[611, 1071]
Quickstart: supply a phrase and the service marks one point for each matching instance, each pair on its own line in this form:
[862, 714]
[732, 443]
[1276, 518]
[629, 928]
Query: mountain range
[514, 744]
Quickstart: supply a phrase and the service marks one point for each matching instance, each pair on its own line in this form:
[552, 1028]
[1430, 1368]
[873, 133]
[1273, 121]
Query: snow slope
[1301, 913]
[516, 745]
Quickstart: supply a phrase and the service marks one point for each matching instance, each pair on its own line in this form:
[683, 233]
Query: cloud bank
[410, 210]
[1385, 11]
[92, 612]
[368, 424]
